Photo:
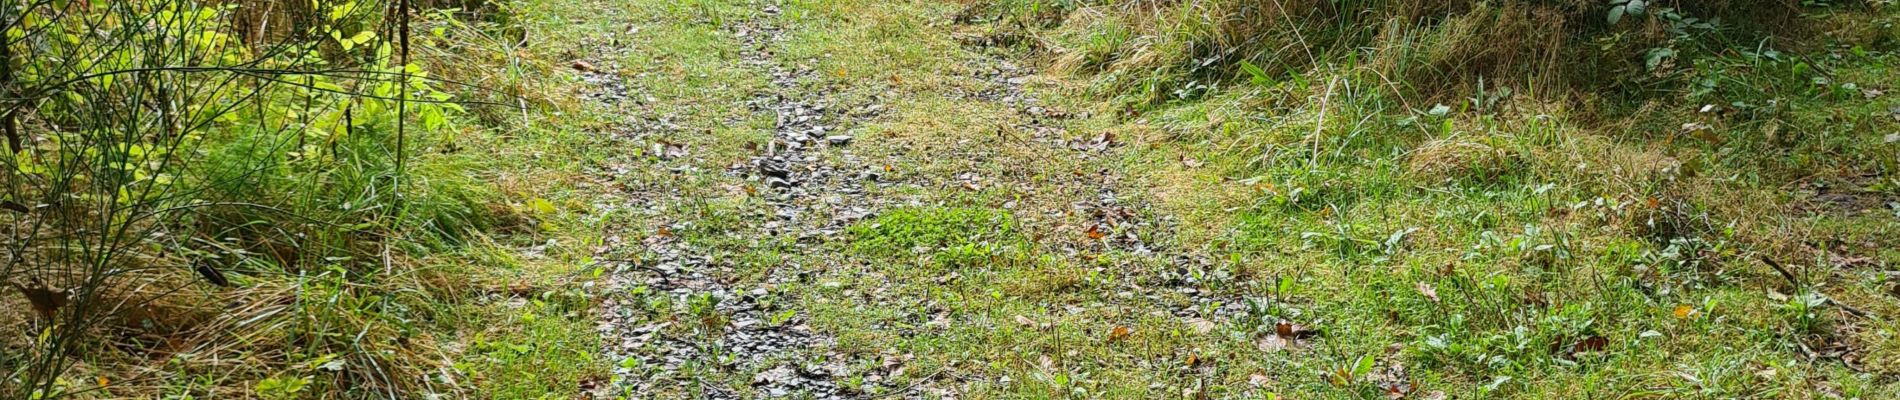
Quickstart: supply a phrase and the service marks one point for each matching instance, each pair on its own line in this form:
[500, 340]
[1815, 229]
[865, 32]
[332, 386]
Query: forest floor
[881, 200]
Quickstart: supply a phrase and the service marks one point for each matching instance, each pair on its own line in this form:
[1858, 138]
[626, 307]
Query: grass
[474, 286]
[1386, 208]
[1485, 245]
[1486, 249]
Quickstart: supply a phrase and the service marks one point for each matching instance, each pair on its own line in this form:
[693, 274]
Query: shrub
[169, 158]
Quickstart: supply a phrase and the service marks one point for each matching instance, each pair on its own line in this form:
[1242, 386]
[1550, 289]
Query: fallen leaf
[1259, 380]
[1025, 321]
[1191, 162]
[1427, 290]
[103, 382]
[1271, 343]
[1396, 392]
[1289, 330]
[1119, 333]
[1201, 326]
[583, 66]
[1684, 311]
[1095, 232]
[669, 150]
[1594, 343]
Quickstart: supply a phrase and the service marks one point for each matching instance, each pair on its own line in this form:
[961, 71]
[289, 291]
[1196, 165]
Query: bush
[174, 170]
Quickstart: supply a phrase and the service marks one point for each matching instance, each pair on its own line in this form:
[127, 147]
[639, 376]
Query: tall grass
[220, 184]
[1152, 52]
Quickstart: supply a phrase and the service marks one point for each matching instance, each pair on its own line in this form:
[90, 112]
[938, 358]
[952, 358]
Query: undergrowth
[1500, 195]
[263, 199]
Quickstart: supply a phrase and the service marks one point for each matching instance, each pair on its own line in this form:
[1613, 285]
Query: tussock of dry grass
[1458, 158]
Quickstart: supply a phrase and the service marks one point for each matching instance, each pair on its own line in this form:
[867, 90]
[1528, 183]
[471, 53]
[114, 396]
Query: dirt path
[811, 197]
[738, 277]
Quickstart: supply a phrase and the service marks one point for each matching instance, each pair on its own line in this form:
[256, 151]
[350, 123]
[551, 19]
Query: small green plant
[961, 232]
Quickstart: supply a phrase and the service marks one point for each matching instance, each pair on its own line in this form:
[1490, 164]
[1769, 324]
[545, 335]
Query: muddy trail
[681, 318]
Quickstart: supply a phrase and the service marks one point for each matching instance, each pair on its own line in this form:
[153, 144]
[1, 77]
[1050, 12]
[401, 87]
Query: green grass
[1487, 250]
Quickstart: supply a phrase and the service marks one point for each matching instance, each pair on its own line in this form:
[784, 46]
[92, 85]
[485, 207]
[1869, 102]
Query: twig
[1856, 311]
[1783, 270]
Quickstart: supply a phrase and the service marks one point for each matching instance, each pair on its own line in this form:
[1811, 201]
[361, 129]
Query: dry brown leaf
[583, 66]
[1119, 333]
[1593, 344]
[1095, 232]
[1289, 330]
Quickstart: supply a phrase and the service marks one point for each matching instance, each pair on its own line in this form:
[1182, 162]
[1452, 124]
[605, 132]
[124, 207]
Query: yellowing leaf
[1684, 311]
[542, 206]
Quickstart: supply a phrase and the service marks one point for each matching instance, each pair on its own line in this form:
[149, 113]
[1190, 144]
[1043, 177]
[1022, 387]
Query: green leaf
[1364, 366]
[1259, 75]
[1616, 14]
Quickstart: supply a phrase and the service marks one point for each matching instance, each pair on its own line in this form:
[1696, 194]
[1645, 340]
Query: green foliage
[958, 231]
[153, 144]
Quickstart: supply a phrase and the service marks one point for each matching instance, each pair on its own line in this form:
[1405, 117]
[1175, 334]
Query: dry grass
[1435, 50]
[1455, 158]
